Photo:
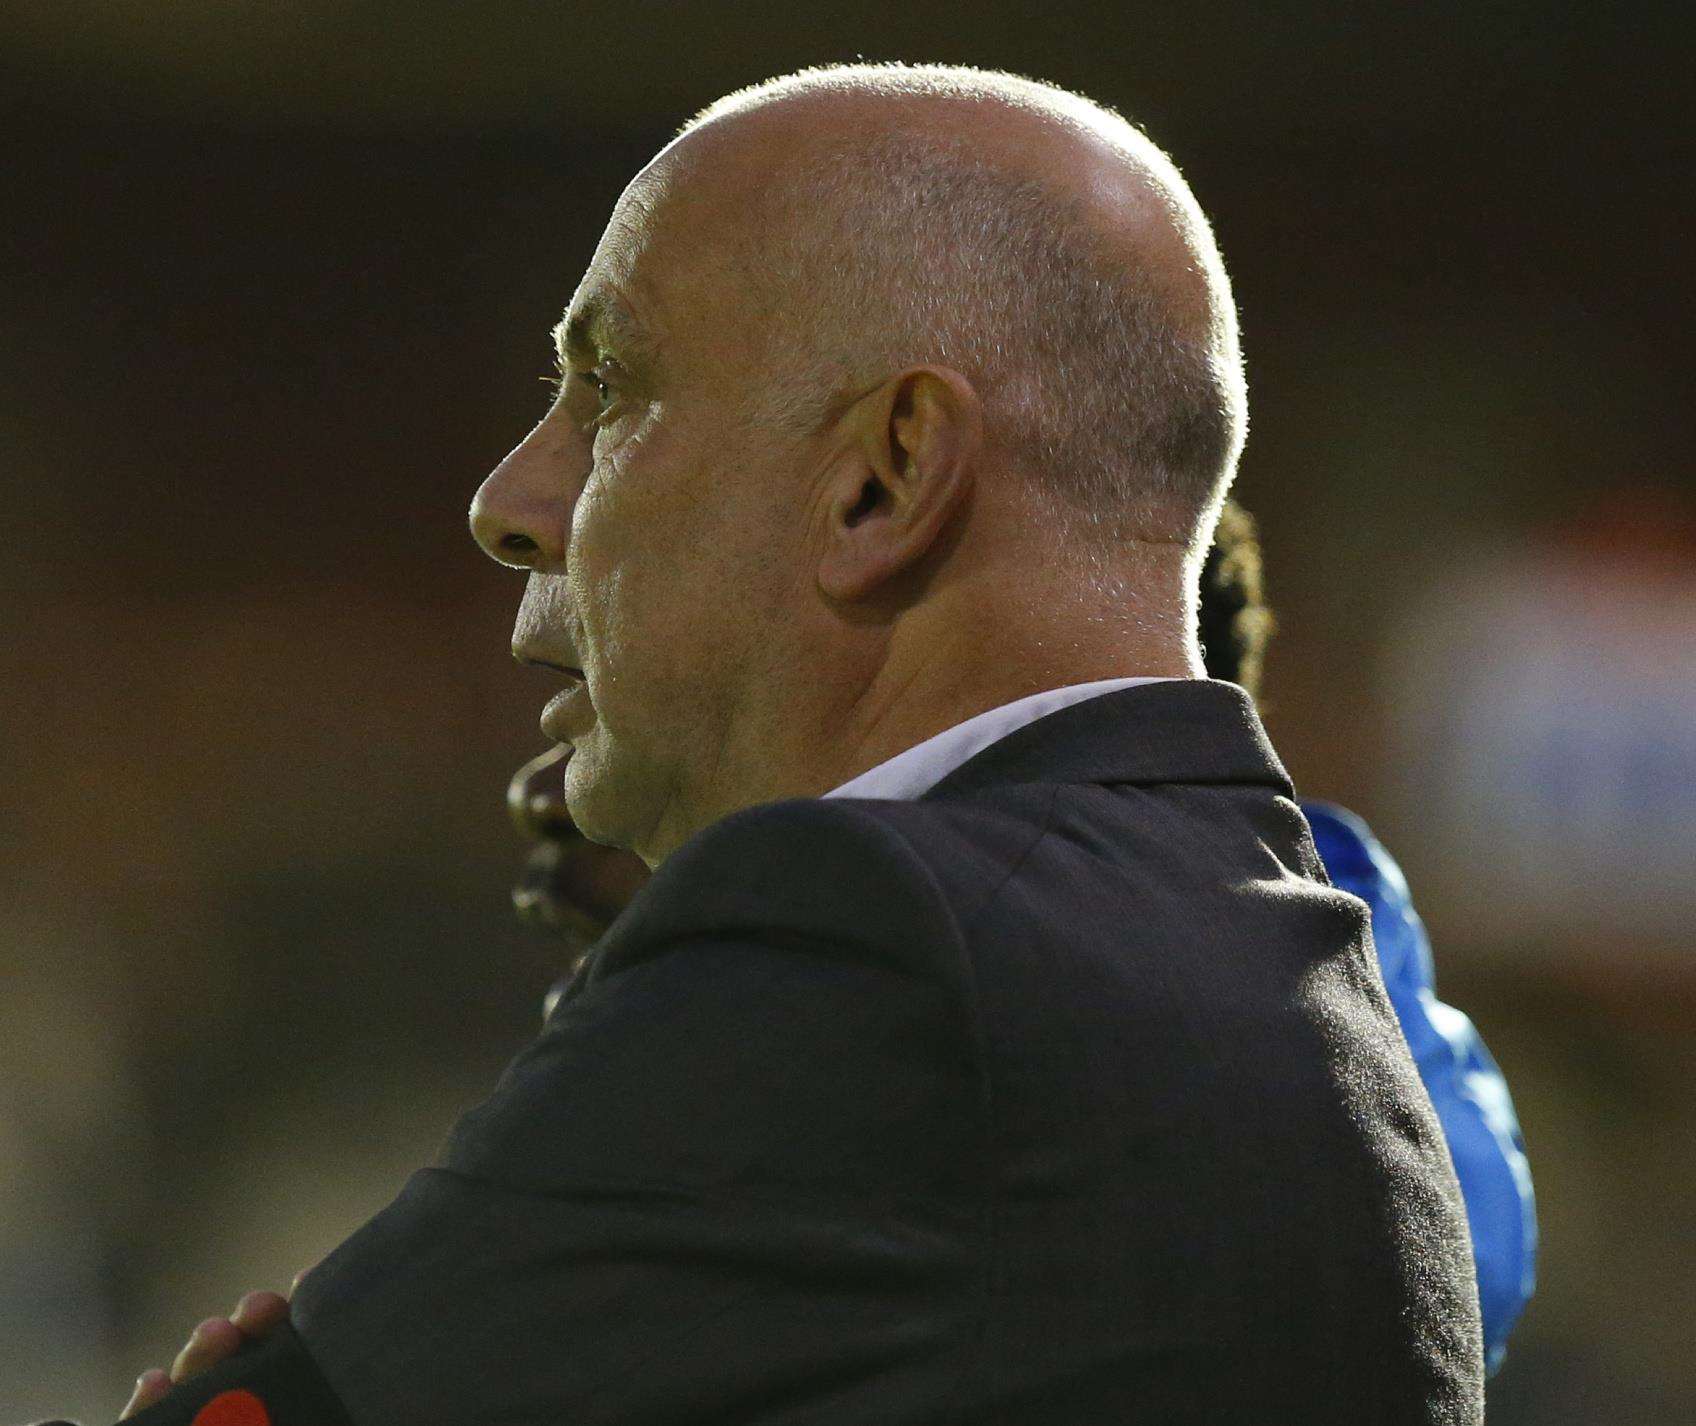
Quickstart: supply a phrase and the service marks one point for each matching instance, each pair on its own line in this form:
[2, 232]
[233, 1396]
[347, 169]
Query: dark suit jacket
[1065, 1095]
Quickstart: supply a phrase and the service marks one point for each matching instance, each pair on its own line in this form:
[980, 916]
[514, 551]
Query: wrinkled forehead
[676, 255]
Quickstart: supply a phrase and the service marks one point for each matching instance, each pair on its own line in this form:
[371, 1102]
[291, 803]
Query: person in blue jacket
[1465, 1084]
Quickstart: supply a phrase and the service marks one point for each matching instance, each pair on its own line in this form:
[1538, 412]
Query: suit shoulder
[1356, 860]
[807, 873]
[842, 825]
[833, 848]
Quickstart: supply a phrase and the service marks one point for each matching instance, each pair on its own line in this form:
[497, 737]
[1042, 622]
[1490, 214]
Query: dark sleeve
[739, 1172]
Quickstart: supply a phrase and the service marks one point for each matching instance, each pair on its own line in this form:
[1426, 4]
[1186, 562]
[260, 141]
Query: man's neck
[875, 692]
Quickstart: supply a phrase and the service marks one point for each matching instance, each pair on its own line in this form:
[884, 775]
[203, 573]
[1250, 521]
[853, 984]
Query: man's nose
[520, 513]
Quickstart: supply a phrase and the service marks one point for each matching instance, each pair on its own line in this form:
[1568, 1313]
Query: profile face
[639, 506]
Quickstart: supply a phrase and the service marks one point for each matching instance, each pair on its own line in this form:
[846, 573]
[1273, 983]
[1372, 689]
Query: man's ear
[904, 477]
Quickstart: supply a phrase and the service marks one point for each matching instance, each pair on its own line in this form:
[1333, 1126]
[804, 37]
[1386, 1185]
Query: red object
[233, 1408]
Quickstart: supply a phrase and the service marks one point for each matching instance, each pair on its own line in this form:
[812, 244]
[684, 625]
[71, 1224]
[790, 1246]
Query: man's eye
[557, 382]
[603, 391]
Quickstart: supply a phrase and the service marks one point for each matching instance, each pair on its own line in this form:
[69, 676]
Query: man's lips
[556, 716]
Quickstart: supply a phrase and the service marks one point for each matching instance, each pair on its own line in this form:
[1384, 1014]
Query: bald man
[988, 1046]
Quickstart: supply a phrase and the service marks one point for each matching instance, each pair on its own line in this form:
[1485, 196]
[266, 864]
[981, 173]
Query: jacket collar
[1193, 730]
[1198, 730]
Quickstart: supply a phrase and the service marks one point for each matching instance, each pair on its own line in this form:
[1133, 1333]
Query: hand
[213, 1340]
[573, 886]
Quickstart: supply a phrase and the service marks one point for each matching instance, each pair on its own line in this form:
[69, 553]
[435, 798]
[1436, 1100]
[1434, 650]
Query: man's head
[932, 397]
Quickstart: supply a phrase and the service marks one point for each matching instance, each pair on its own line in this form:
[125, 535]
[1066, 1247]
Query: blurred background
[275, 289]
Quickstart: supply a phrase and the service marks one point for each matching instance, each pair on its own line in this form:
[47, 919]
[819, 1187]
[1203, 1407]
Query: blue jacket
[1465, 1084]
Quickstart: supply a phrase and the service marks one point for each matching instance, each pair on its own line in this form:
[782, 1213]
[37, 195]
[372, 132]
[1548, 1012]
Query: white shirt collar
[909, 775]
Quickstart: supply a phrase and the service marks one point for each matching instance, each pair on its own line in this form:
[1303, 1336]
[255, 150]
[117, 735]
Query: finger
[150, 1387]
[213, 1340]
[258, 1312]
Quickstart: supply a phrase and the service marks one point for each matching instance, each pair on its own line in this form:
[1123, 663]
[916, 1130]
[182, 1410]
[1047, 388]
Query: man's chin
[583, 791]
[606, 794]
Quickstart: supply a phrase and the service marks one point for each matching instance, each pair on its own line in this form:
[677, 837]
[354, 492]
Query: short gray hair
[1126, 419]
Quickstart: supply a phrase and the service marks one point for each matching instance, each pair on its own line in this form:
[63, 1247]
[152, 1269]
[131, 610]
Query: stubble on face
[670, 561]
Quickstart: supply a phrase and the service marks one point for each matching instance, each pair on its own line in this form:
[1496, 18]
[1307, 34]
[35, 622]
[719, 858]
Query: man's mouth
[556, 717]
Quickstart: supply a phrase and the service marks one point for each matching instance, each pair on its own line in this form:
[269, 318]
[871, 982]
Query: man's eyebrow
[600, 325]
